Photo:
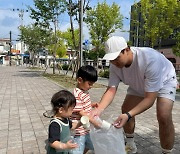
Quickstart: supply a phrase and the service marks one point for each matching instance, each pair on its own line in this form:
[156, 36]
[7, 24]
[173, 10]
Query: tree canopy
[176, 48]
[47, 11]
[57, 44]
[67, 35]
[35, 37]
[161, 18]
[102, 21]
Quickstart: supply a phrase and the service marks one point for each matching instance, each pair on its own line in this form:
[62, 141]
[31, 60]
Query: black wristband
[129, 116]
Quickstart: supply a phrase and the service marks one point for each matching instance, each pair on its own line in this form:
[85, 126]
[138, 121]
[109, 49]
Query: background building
[4, 51]
[137, 32]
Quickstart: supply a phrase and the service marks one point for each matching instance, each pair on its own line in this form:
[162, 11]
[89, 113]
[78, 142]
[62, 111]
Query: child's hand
[96, 112]
[75, 124]
[60, 145]
[70, 145]
[94, 105]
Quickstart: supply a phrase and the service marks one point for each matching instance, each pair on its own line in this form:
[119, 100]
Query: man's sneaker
[131, 148]
[90, 152]
[164, 151]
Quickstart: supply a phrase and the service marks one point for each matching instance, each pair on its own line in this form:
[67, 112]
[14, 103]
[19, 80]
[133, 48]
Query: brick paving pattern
[25, 96]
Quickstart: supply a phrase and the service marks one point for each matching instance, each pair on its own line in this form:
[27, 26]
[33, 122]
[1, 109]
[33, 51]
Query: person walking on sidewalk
[150, 76]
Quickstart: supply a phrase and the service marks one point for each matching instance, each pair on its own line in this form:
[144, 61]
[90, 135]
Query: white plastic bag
[109, 141]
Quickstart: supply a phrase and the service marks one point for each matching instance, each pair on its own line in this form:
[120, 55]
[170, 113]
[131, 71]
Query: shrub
[66, 66]
[104, 73]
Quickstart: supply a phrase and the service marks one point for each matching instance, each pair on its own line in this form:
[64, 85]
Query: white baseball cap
[113, 46]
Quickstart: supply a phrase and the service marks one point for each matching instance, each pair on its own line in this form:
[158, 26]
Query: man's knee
[164, 111]
[164, 118]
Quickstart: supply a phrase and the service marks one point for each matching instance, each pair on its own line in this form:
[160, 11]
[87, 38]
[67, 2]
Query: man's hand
[121, 121]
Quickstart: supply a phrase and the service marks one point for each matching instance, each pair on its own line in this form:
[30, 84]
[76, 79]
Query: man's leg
[166, 127]
[129, 103]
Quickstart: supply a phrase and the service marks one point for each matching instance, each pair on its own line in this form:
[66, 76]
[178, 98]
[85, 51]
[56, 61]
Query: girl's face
[66, 113]
[84, 85]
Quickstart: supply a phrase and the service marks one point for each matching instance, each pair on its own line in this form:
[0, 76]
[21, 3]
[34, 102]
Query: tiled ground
[25, 96]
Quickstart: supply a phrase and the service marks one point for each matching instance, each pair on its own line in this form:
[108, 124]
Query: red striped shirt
[83, 103]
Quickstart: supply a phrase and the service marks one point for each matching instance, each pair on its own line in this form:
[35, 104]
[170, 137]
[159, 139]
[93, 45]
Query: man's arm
[107, 98]
[145, 104]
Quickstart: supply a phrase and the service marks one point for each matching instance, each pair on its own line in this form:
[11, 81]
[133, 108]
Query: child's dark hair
[87, 73]
[63, 99]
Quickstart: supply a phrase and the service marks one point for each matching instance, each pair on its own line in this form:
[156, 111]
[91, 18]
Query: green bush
[104, 73]
[66, 66]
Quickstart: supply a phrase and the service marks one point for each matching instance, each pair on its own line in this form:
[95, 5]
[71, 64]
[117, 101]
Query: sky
[10, 11]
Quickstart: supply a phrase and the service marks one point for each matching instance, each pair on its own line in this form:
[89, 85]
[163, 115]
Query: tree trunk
[73, 62]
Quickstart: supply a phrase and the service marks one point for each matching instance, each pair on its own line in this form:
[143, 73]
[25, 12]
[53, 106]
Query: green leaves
[176, 48]
[47, 11]
[35, 37]
[103, 20]
[161, 18]
[67, 35]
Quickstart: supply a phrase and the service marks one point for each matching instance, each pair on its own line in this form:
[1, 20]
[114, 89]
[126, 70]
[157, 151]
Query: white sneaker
[131, 148]
[90, 152]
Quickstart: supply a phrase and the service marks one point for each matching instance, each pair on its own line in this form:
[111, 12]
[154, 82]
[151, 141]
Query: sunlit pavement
[25, 96]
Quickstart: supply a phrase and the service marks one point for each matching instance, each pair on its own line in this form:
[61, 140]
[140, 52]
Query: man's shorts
[167, 91]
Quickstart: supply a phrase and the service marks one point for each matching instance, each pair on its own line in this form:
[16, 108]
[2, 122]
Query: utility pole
[10, 44]
[21, 16]
[81, 31]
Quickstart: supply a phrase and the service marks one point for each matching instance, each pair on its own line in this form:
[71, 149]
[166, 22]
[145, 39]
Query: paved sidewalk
[25, 96]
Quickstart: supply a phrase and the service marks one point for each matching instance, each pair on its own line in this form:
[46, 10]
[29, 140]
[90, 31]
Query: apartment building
[137, 32]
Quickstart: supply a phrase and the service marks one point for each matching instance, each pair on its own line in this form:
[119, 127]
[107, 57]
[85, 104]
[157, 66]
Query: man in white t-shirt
[150, 76]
